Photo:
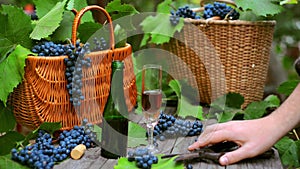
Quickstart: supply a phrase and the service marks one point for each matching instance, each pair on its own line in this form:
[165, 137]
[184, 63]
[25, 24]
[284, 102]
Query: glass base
[152, 149]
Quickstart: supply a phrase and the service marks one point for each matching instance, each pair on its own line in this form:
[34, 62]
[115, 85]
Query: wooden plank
[166, 147]
[91, 158]
[255, 163]
[109, 164]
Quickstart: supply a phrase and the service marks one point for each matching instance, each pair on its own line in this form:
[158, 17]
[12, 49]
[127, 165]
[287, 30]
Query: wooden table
[93, 160]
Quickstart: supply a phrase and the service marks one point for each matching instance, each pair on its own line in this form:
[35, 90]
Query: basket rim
[36, 57]
[231, 22]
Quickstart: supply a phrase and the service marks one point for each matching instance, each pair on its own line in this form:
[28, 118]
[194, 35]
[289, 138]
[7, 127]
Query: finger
[211, 138]
[235, 156]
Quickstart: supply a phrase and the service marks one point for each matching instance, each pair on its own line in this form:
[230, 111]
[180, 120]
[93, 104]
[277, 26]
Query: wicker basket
[223, 56]
[43, 97]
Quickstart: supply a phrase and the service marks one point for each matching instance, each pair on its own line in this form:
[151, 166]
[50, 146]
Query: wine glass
[151, 99]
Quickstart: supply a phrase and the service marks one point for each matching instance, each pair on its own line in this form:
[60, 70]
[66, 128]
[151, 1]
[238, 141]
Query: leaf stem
[295, 133]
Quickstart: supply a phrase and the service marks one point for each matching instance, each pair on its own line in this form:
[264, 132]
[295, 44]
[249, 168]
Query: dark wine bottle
[115, 117]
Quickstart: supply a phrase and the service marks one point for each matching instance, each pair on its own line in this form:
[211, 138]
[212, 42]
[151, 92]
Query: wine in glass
[151, 98]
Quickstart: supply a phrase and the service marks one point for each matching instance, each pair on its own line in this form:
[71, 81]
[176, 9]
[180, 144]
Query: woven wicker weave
[43, 97]
[242, 47]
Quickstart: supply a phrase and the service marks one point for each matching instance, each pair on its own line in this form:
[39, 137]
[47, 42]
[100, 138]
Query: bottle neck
[116, 101]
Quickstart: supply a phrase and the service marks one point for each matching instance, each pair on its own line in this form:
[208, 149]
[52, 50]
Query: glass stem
[150, 135]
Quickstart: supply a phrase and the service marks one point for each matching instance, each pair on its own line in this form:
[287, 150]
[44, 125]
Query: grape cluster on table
[143, 158]
[183, 12]
[221, 10]
[169, 127]
[44, 154]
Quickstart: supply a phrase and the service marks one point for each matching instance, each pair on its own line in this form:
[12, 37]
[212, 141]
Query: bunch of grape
[170, 127]
[221, 10]
[44, 154]
[184, 12]
[74, 63]
[143, 158]
[99, 44]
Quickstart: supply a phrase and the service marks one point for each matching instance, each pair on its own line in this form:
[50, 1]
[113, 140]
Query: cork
[78, 151]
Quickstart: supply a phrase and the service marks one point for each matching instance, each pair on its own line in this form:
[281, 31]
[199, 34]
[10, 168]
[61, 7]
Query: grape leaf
[225, 116]
[289, 151]
[9, 140]
[12, 71]
[98, 131]
[123, 163]
[70, 5]
[87, 29]
[184, 107]
[256, 110]
[118, 10]
[64, 31]
[120, 36]
[228, 101]
[87, 17]
[159, 29]
[50, 127]
[14, 30]
[263, 8]
[287, 87]
[7, 118]
[43, 7]
[273, 101]
[136, 135]
[7, 162]
[49, 22]
[164, 7]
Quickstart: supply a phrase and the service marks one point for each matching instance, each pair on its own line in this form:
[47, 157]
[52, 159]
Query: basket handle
[78, 16]
[231, 2]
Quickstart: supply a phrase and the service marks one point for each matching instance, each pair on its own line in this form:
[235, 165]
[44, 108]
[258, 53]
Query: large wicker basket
[43, 97]
[223, 56]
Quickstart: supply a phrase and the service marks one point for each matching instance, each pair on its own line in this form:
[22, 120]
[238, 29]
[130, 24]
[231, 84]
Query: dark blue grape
[221, 10]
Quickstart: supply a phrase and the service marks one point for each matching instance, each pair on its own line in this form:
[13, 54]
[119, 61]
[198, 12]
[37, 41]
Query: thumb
[234, 156]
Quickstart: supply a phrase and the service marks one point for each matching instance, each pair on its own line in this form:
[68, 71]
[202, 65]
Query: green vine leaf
[7, 118]
[64, 31]
[14, 30]
[256, 110]
[87, 29]
[7, 162]
[9, 140]
[263, 8]
[88, 16]
[43, 7]
[123, 163]
[185, 108]
[164, 7]
[49, 22]
[117, 10]
[287, 87]
[273, 101]
[12, 67]
[158, 29]
[289, 151]
[70, 5]
[136, 135]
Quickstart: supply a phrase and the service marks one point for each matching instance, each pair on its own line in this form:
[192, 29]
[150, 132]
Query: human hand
[253, 136]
